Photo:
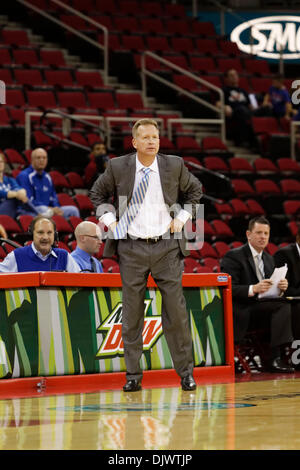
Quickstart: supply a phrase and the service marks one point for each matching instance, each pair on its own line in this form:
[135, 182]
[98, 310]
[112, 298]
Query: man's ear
[134, 143]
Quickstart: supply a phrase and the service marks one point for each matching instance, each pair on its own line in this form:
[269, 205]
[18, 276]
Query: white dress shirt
[9, 264]
[254, 254]
[153, 218]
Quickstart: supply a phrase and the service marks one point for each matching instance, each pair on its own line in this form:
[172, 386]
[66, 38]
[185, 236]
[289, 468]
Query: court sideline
[260, 412]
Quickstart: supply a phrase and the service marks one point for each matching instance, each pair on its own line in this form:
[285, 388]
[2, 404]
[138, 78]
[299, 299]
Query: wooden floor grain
[257, 415]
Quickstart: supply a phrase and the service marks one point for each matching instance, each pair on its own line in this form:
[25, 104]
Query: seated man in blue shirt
[88, 237]
[40, 255]
[40, 188]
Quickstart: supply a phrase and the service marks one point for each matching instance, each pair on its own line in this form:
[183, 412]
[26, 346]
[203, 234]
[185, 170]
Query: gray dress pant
[137, 259]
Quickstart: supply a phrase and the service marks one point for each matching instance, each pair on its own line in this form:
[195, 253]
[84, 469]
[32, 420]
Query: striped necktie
[133, 206]
[259, 267]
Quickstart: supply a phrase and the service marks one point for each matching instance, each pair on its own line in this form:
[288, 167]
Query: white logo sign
[270, 34]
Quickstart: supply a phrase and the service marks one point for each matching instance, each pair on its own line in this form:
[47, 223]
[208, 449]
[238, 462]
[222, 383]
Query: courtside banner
[266, 35]
[48, 331]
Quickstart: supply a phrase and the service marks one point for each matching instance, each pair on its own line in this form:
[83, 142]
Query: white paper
[274, 291]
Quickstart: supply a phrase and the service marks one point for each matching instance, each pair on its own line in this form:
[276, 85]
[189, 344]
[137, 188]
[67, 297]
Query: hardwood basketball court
[256, 412]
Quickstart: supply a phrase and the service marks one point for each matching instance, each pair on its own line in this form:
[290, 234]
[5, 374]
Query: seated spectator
[250, 268]
[238, 111]
[290, 255]
[88, 237]
[98, 161]
[11, 194]
[277, 101]
[41, 254]
[40, 188]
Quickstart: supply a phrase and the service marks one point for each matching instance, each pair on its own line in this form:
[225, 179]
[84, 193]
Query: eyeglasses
[95, 237]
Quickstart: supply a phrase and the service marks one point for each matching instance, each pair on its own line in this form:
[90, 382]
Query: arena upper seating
[40, 78]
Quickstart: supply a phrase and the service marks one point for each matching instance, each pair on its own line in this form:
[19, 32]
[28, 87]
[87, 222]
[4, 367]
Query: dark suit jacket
[179, 187]
[240, 265]
[289, 255]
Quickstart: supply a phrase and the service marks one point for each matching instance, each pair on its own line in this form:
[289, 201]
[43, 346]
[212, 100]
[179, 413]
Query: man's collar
[40, 255]
[153, 166]
[253, 251]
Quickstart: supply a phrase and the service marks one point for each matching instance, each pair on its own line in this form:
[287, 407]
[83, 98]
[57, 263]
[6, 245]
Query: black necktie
[93, 264]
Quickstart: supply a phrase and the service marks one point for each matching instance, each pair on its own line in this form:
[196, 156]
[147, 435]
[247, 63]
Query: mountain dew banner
[46, 331]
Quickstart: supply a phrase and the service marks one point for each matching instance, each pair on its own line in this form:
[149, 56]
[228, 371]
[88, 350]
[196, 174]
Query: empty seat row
[118, 7]
[32, 56]
[48, 77]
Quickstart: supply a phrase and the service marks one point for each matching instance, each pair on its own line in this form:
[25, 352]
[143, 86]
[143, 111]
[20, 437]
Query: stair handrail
[219, 110]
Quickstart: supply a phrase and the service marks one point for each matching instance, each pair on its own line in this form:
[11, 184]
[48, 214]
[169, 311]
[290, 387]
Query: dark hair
[36, 220]
[260, 219]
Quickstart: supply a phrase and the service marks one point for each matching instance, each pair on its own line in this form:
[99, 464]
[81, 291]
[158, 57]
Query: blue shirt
[42, 263]
[8, 184]
[279, 97]
[39, 187]
[83, 259]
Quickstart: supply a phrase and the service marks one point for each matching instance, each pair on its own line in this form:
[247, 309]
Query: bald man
[88, 237]
[40, 188]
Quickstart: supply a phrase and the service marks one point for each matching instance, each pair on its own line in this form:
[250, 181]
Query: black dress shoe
[132, 386]
[278, 365]
[188, 383]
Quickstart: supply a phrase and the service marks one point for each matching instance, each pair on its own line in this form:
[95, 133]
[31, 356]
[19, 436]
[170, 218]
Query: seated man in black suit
[250, 277]
[290, 255]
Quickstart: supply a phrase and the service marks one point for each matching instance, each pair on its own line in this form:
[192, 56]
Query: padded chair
[190, 265]
[292, 208]
[266, 187]
[74, 221]
[32, 77]
[84, 204]
[65, 200]
[242, 188]
[240, 166]
[129, 100]
[16, 37]
[89, 79]
[14, 157]
[61, 78]
[222, 230]
[71, 99]
[207, 46]
[59, 180]
[257, 67]
[25, 57]
[62, 225]
[11, 226]
[239, 208]
[210, 144]
[216, 164]
[255, 208]
[52, 57]
[104, 100]
[288, 166]
[208, 251]
[265, 166]
[75, 180]
[41, 99]
[212, 263]
[290, 187]
[227, 64]
[24, 221]
[109, 265]
[221, 248]
[250, 356]
[203, 64]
